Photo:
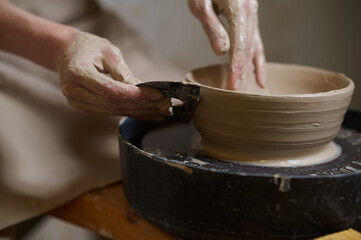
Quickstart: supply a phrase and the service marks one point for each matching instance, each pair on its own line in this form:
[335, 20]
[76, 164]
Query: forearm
[32, 37]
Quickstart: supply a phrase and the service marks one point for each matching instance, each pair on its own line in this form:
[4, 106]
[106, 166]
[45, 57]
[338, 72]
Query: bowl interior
[282, 79]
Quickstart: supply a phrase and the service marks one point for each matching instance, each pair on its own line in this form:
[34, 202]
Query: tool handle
[186, 92]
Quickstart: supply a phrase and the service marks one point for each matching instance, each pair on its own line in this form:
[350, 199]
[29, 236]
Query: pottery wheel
[174, 185]
[180, 142]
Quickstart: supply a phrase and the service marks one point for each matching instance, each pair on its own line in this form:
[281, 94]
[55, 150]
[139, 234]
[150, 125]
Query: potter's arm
[32, 37]
[242, 40]
[94, 76]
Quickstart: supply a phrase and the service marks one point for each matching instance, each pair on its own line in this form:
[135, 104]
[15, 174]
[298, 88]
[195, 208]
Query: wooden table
[107, 212]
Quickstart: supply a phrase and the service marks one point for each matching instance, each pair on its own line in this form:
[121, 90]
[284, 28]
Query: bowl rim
[348, 89]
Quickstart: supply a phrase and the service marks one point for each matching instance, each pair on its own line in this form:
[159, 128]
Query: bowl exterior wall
[234, 125]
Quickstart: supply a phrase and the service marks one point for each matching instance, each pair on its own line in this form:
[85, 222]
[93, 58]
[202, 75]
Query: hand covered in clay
[96, 79]
[242, 40]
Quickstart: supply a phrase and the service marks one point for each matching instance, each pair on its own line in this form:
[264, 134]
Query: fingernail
[220, 46]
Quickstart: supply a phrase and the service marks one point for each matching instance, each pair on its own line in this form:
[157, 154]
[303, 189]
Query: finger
[259, 61]
[114, 63]
[247, 69]
[105, 86]
[238, 51]
[216, 33]
[242, 49]
[236, 76]
[119, 71]
[81, 94]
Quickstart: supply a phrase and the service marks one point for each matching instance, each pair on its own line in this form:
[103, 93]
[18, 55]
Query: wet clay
[299, 113]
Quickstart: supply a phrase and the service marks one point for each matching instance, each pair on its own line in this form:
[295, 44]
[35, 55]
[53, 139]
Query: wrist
[60, 40]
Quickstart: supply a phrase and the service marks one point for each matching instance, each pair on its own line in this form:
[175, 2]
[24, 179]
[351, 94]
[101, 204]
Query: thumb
[115, 65]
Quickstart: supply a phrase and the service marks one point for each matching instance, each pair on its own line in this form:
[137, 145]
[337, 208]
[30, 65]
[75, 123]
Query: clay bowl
[298, 114]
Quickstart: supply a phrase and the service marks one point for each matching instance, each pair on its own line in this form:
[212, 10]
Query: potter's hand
[96, 79]
[243, 38]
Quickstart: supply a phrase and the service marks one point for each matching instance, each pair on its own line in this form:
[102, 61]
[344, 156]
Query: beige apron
[49, 152]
